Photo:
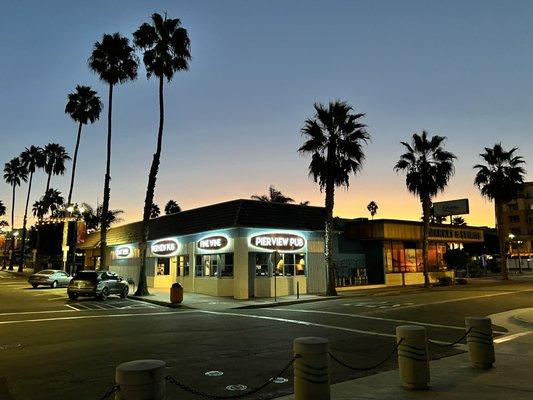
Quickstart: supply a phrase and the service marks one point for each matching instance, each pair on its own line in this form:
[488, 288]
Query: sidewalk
[453, 378]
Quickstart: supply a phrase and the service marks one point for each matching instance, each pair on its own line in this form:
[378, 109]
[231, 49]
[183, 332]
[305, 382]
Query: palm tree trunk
[48, 182]
[12, 256]
[23, 248]
[142, 288]
[107, 190]
[328, 239]
[426, 206]
[74, 165]
[501, 239]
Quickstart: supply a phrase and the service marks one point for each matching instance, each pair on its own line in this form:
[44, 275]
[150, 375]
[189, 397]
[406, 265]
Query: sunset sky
[461, 69]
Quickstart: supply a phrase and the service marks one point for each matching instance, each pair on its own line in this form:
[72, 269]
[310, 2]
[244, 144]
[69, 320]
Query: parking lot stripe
[73, 308]
[35, 312]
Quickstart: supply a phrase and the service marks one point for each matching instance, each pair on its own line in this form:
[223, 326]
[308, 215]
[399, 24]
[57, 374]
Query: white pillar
[413, 357]
[311, 370]
[141, 380]
[480, 343]
[240, 268]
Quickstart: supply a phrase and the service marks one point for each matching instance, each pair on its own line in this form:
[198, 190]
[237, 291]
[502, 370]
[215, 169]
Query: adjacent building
[518, 221]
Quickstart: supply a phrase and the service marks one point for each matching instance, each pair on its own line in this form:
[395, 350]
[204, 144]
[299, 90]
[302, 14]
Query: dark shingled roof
[236, 213]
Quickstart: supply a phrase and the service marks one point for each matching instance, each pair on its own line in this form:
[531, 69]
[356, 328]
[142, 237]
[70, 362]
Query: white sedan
[50, 277]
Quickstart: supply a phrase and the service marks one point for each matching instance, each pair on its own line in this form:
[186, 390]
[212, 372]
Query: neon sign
[165, 247]
[212, 243]
[278, 241]
[123, 252]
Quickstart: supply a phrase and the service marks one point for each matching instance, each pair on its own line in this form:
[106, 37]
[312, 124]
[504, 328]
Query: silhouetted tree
[172, 207]
[334, 138]
[114, 61]
[83, 106]
[166, 47]
[372, 208]
[428, 168]
[2, 209]
[499, 179]
[155, 211]
[32, 158]
[273, 196]
[458, 221]
[52, 202]
[93, 218]
[55, 158]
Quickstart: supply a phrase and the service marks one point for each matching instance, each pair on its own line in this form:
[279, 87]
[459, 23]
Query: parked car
[99, 284]
[50, 277]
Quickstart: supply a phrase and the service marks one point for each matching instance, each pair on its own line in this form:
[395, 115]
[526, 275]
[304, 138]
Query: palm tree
[93, 218]
[428, 169]
[114, 61]
[458, 221]
[372, 208]
[2, 209]
[172, 207]
[166, 48]
[14, 174]
[55, 158]
[31, 158]
[334, 138]
[304, 203]
[499, 179]
[155, 211]
[83, 106]
[51, 202]
[273, 196]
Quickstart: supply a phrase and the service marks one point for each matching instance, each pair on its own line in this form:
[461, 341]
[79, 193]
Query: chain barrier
[106, 395]
[367, 368]
[189, 389]
[450, 344]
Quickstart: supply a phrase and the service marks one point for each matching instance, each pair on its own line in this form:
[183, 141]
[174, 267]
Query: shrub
[456, 258]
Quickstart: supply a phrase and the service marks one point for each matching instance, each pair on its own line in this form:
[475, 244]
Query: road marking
[74, 308]
[403, 321]
[508, 338]
[95, 317]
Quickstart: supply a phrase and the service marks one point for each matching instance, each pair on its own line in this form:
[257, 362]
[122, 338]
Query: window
[290, 264]
[512, 206]
[183, 266]
[387, 256]
[514, 218]
[261, 264]
[163, 266]
[217, 265]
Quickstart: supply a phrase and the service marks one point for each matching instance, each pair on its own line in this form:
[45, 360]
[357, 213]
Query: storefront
[393, 248]
[224, 249]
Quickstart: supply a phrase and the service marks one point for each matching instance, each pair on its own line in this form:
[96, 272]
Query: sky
[460, 69]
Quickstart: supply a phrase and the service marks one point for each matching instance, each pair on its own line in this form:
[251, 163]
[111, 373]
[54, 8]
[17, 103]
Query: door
[251, 275]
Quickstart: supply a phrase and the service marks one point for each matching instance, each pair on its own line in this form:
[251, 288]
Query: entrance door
[251, 275]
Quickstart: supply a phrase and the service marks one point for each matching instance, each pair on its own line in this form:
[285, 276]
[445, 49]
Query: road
[62, 349]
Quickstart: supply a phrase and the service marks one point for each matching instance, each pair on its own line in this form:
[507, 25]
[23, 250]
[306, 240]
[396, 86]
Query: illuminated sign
[212, 243]
[459, 234]
[451, 207]
[278, 241]
[122, 252]
[165, 247]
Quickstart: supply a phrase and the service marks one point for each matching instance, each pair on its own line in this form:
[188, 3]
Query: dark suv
[99, 284]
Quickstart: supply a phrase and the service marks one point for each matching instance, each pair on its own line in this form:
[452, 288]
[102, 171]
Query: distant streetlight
[70, 209]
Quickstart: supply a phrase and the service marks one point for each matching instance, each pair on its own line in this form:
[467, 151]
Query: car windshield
[47, 272]
[86, 275]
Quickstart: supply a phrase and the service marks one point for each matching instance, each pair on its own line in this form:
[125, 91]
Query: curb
[523, 320]
[157, 302]
[286, 303]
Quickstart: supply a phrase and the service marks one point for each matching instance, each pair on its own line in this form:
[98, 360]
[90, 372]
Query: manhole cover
[234, 388]
[214, 373]
[10, 346]
[280, 380]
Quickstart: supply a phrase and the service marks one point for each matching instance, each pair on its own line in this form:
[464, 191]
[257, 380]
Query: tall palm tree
[55, 158]
[372, 208]
[93, 218]
[2, 209]
[155, 211]
[114, 61]
[458, 221]
[166, 47]
[334, 138]
[83, 106]
[51, 202]
[274, 196]
[172, 207]
[499, 179]
[14, 174]
[32, 158]
[428, 168]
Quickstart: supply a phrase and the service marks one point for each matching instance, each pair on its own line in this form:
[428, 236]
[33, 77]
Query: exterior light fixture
[70, 209]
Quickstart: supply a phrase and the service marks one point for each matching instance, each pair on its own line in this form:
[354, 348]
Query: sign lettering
[165, 247]
[212, 243]
[278, 241]
[122, 252]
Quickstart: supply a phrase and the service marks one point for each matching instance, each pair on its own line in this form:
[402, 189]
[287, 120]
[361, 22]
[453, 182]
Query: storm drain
[236, 388]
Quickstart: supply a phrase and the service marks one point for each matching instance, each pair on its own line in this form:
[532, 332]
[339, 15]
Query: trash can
[176, 293]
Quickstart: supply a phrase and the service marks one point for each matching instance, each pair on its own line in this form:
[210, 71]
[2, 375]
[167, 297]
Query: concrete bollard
[480, 343]
[413, 356]
[141, 380]
[311, 371]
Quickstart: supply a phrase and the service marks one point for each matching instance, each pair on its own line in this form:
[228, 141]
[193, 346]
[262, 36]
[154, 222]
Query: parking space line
[73, 308]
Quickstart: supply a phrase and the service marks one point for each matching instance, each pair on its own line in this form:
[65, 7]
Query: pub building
[226, 249]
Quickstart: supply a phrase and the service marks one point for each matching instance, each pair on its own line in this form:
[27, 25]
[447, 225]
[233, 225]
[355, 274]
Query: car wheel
[54, 284]
[34, 285]
[104, 294]
[124, 292]
[73, 296]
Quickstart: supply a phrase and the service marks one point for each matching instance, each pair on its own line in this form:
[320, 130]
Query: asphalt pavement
[69, 349]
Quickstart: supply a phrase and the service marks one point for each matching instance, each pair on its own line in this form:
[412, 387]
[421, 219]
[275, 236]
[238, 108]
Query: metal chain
[106, 395]
[367, 368]
[177, 383]
[450, 344]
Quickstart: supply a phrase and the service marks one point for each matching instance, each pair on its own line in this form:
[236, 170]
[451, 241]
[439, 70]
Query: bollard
[311, 370]
[479, 340]
[141, 380]
[413, 357]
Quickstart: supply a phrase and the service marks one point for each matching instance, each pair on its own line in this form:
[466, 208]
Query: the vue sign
[165, 247]
[122, 252]
[278, 241]
[212, 243]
